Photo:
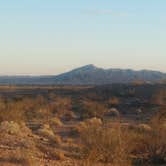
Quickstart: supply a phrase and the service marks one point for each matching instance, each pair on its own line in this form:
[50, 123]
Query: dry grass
[149, 143]
[55, 122]
[23, 157]
[96, 142]
[105, 145]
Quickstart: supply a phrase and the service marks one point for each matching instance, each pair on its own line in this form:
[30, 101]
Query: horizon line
[47, 75]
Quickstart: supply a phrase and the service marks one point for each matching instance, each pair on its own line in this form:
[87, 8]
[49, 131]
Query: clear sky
[43, 37]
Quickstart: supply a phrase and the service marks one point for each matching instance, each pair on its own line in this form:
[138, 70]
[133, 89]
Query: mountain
[89, 75]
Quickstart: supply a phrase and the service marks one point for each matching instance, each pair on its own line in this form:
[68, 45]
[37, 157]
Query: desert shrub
[59, 155]
[40, 100]
[14, 128]
[10, 127]
[13, 111]
[114, 113]
[23, 109]
[59, 106]
[159, 97]
[81, 126]
[69, 115]
[105, 145]
[93, 122]
[55, 122]
[48, 133]
[157, 148]
[57, 139]
[150, 143]
[90, 109]
[51, 152]
[23, 157]
[2, 104]
[43, 114]
[113, 101]
[144, 128]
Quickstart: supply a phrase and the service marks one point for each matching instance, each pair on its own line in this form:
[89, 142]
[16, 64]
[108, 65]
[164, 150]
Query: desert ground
[114, 125]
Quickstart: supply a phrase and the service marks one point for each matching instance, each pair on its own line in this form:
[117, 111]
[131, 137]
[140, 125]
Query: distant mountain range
[88, 75]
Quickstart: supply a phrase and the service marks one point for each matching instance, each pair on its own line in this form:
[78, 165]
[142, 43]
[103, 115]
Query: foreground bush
[105, 145]
[22, 157]
[89, 109]
[56, 122]
[149, 144]
[82, 126]
[14, 128]
[48, 133]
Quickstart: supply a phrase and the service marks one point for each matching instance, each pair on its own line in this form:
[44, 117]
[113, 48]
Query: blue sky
[41, 37]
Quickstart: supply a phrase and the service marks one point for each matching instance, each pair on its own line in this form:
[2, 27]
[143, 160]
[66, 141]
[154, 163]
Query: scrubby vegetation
[86, 127]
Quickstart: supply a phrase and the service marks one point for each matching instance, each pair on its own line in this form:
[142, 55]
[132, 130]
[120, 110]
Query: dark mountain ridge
[89, 75]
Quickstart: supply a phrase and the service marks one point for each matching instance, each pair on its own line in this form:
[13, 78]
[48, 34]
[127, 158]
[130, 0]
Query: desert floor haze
[114, 125]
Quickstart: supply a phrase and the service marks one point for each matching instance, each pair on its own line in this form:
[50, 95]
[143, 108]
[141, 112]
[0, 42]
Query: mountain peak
[90, 74]
[89, 67]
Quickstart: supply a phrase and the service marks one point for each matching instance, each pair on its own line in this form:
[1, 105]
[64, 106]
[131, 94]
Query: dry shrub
[159, 97]
[43, 114]
[51, 153]
[14, 128]
[47, 132]
[57, 139]
[59, 155]
[60, 105]
[10, 127]
[113, 101]
[55, 122]
[23, 157]
[157, 148]
[69, 115]
[105, 145]
[144, 128]
[89, 109]
[25, 109]
[92, 122]
[2, 104]
[13, 112]
[69, 141]
[114, 112]
[150, 145]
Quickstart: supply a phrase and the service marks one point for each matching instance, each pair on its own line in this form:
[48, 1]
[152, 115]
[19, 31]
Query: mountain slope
[89, 75]
[92, 75]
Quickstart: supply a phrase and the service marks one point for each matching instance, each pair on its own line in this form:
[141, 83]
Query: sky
[48, 37]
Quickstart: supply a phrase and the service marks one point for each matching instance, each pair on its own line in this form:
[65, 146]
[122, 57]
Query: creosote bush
[48, 133]
[105, 145]
[81, 126]
[113, 101]
[23, 157]
[89, 109]
[149, 143]
[14, 128]
[55, 122]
